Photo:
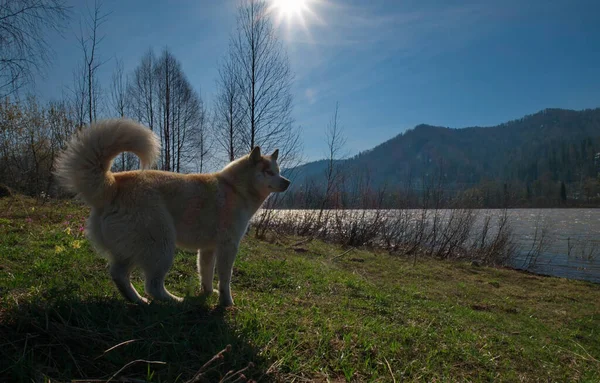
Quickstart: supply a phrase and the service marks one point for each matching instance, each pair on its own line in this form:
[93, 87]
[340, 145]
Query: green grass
[299, 315]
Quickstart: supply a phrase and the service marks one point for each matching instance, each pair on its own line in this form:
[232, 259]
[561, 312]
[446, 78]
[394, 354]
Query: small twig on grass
[344, 253]
[588, 354]
[274, 366]
[200, 374]
[134, 362]
[115, 346]
[390, 369]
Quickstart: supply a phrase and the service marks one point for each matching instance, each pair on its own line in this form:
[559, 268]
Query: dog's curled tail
[84, 166]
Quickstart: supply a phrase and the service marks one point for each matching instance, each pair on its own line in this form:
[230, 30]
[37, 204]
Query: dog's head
[266, 172]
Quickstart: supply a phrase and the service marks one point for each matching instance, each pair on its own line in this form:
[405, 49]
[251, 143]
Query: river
[573, 250]
[571, 238]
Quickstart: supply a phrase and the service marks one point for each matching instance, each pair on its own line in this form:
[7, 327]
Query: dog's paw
[208, 293]
[143, 301]
[226, 302]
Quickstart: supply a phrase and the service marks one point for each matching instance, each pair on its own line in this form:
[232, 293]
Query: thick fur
[139, 217]
[84, 167]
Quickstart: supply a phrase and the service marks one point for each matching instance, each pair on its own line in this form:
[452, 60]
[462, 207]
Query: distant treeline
[489, 194]
[548, 159]
[355, 189]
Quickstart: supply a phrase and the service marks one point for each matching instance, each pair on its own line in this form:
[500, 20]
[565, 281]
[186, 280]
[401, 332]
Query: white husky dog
[139, 217]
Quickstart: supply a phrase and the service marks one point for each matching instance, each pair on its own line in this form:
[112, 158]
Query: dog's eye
[269, 173]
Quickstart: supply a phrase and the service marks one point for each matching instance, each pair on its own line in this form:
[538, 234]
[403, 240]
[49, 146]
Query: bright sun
[291, 10]
[290, 7]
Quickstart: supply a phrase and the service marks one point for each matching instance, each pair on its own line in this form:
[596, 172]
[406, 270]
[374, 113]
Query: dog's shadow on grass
[106, 338]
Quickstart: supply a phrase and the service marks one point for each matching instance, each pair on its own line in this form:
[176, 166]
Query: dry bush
[540, 243]
[462, 233]
[495, 248]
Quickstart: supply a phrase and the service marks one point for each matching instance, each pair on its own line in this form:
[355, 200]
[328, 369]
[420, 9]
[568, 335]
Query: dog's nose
[286, 183]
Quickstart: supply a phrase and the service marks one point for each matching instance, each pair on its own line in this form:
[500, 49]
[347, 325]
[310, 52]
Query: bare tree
[228, 109]
[180, 114]
[264, 79]
[78, 96]
[204, 143]
[335, 144]
[189, 125]
[141, 91]
[119, 104]
[118, 90]
[161, 97]
[165, 73]
[24, 49]
[61, 124]
[89, 43]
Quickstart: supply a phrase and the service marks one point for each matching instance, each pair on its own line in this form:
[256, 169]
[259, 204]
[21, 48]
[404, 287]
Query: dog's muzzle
[285, 183]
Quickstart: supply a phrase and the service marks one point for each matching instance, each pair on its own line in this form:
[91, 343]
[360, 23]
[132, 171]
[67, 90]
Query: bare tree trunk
[119, 100]
[78, 94]
[228, 109]
[252, 106]
[335, 144]
[141, 91]
[167, 110]
[89, 45]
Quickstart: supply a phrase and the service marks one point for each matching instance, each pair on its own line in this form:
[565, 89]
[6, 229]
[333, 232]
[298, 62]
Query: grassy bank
[313, 312]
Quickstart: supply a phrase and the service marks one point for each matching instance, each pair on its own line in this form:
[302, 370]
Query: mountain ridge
[551, 145]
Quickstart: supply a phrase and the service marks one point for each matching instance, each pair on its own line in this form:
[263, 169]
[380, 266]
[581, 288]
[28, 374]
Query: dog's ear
[275, 154]
[255, 156]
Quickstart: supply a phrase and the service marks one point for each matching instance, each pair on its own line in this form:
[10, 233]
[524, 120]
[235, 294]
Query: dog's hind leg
[206, 270]
[120, 273]
[156, 265]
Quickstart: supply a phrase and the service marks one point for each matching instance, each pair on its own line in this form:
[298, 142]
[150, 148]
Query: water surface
[571, 238]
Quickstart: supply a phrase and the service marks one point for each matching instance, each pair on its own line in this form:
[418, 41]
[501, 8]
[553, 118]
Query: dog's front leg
[225, 257]
[206, 270]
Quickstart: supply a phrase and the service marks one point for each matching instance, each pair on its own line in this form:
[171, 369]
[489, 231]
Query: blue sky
[390, 64]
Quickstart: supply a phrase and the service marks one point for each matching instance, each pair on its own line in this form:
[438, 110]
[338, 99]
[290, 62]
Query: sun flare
[290, 7]
[291, 10]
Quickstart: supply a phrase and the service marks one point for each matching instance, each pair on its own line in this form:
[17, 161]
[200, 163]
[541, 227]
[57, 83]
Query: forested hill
[534, 153]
